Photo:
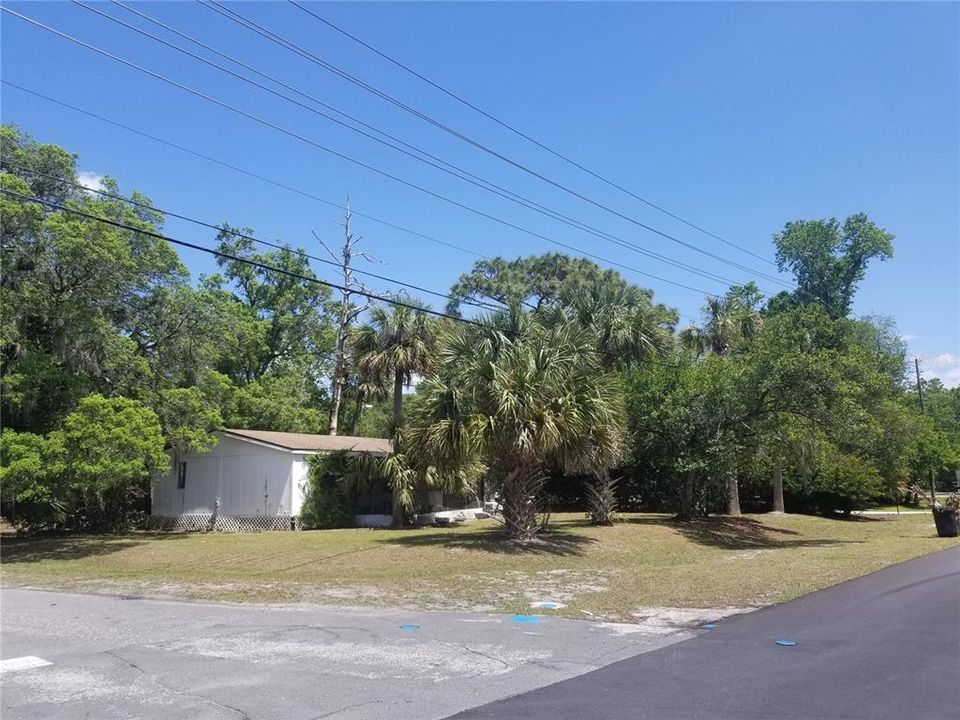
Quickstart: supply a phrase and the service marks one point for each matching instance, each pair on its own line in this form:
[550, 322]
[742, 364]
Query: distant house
[256, 480]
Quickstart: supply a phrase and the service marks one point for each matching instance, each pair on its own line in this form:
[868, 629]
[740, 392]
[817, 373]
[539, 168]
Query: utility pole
[348, 313]
[933, 484]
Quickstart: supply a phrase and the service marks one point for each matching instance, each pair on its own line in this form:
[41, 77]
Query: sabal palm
[626, 328]
[625, 325]
[521, 397]
[728, 323]
[392, 347]
[395, 345]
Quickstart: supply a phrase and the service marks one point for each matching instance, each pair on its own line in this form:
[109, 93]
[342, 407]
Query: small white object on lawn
[22, 663]
[547, 605]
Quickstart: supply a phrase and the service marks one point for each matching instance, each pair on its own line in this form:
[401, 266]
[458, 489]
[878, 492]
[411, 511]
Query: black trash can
[946, 520]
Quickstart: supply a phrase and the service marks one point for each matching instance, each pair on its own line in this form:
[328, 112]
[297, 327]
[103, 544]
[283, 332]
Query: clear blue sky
[738, 117]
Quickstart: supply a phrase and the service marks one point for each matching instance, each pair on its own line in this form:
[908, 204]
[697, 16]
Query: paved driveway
[115, 658]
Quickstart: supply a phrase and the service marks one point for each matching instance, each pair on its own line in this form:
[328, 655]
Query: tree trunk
[520, 488]
[398, 513]
[601, 498]
[397, 399]
[336, 391]
[347, 315]
[686, 499]
[357, 413]
[733, 494]
[778, 488]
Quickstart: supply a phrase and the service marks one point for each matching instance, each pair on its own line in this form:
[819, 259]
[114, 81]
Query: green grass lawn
[643, 560]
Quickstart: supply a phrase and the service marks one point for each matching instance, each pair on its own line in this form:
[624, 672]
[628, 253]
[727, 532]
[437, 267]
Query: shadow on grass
[494, 540]
[75, 547]
[739, 533]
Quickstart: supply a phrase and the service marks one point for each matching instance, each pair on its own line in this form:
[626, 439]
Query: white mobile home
[253, 480]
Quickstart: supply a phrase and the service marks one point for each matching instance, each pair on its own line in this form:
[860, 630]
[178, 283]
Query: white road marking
[22, 663]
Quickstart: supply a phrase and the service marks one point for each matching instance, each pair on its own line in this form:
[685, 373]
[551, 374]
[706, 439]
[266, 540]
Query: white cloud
[943, 360]
[945, 366]
[90, 180]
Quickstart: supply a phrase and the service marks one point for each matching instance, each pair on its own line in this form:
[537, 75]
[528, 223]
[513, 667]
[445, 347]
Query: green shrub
[326, 505]
[31, 485]
[92, 474]
[841, 482]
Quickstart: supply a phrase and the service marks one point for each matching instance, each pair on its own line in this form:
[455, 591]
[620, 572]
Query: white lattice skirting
[224, 523]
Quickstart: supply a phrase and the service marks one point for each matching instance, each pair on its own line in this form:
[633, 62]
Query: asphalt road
[108, 657]
[885, 646]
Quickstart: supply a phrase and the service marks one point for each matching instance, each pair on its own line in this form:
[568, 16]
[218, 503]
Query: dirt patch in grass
[615, 574]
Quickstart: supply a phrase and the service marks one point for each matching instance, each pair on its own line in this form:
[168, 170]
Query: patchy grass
[644, 560]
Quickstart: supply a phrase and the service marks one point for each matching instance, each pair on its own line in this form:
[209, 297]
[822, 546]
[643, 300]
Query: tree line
[581, 391]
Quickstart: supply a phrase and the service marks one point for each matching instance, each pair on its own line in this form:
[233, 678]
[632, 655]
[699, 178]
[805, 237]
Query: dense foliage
[93, 313]
[326, 503]
[111, 357]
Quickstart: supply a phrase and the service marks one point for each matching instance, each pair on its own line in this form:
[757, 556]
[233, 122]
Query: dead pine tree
[348, 311]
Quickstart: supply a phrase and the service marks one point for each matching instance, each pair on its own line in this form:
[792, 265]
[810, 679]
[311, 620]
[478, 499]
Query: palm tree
[730, 322]
[625, 328]
[395, 345]
[366, 386]
[522, 398]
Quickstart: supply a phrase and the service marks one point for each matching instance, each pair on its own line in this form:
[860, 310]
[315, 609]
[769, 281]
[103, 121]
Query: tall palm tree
[522, 398]
[625, 328]
[395, 345]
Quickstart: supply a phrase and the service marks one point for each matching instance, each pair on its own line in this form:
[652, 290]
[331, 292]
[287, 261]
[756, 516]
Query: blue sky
[738, 117]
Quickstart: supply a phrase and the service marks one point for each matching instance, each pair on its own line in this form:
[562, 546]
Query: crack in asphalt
[345, 708]
[180, 693]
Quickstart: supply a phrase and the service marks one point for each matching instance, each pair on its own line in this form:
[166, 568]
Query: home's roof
[306, 442]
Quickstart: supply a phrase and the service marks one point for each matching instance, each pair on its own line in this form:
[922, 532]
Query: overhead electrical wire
[459, 172]
[235, 168]
[273, 79]
[343, 156]
[444, 166]
[245, 261]
[245, 236]
[525, 136]
[278, 39]
[270, 268]
[273, 268]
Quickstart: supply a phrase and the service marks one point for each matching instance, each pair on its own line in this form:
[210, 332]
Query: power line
[308, 96]
[313, 98]
[270, 268]
[525, 136]
[265, 266]
[244, 236]
[274, 37]
[238, 169]
[343, 156]
[291, 189]
[450, 168]
[245, 261]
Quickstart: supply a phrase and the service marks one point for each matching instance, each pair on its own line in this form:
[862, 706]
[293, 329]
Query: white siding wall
[299, 472]
[249, 479]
